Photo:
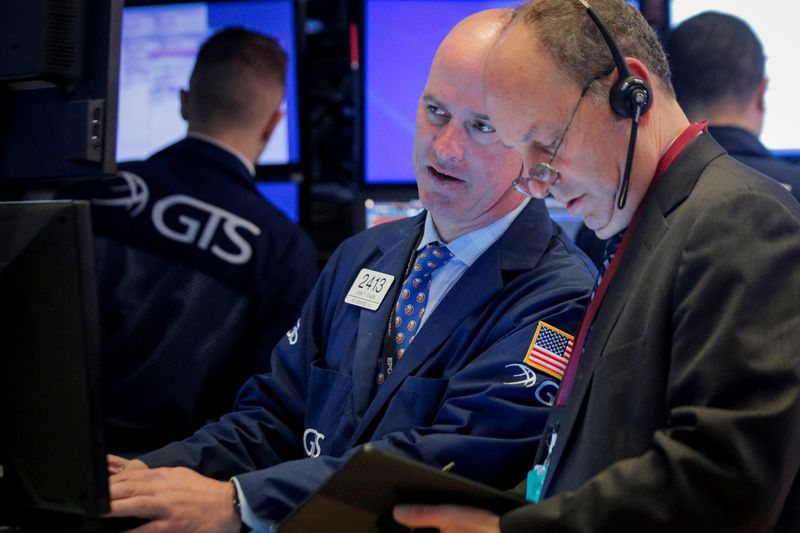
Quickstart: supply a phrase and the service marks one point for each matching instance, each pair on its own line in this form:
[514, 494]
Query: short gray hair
[566, 30]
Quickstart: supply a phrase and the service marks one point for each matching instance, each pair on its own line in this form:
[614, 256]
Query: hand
[117, 464]
[448, 518]
[174, 499]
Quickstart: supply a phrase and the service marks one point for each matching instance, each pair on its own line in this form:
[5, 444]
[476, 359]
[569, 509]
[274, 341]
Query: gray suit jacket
[685, 412]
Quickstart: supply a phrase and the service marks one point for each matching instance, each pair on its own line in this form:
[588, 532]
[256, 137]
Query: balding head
[471, 39]
[464, 173]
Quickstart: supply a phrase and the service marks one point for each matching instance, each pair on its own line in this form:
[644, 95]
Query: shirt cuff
[248, 517]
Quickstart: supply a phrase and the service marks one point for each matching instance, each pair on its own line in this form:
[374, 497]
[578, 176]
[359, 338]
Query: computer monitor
[382, 211]
[58, 89]
[52, 454]
[776, 28]
[285, 195]
[378, 205]
[400, 39]
[160, 40]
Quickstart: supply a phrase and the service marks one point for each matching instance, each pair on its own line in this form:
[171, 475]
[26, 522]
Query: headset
[629, 97]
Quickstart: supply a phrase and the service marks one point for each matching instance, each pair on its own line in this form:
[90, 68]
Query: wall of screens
[400, 39]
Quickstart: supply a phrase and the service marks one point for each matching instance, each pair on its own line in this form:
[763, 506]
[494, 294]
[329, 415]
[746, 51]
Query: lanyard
[666, 160]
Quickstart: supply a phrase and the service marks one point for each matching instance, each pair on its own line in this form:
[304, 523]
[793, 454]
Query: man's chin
[612, 227]
[602, 229]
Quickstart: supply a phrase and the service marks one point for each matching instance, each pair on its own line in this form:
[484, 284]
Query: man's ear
[639, 70]
[185, 104]
[760, 94]
[272, 122]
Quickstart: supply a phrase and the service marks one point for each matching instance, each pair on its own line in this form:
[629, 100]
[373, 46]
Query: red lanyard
[666, 160]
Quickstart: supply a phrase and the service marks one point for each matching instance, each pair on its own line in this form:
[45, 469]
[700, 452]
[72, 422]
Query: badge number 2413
[369, 289]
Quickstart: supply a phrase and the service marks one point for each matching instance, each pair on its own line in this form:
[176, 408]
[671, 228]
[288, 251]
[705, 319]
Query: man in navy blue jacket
[718, 73]
[199, 276]
[491, 336]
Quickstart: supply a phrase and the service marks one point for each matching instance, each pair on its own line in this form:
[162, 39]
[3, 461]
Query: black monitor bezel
[55, 465]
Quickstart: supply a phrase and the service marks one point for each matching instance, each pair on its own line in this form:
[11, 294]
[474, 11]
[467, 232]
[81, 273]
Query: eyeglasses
[546, 172]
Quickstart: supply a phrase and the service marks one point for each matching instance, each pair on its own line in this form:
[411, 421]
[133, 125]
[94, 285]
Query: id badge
[369, 289]
[535, 483]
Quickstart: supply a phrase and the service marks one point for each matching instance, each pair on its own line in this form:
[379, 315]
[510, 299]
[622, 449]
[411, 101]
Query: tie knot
[431, 257]
[612, 244]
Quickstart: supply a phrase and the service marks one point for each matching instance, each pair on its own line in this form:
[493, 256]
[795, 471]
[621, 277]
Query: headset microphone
[629, 98]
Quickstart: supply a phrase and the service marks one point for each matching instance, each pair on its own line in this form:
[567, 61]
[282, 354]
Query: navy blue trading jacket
[456, 395]
[745, 147]
[198, 278]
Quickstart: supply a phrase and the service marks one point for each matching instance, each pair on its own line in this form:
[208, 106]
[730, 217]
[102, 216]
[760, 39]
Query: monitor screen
[52, 454]
[159, 45]
[400, 39]
[378, 211]
[776, 29]
[380, 208]
[285, 195]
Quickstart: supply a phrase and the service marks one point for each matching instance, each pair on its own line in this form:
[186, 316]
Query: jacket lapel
[394, 251]
[474, 289]
[672, 189]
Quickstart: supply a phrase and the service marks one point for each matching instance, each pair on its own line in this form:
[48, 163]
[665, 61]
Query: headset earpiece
[629, 93]
[629, 98]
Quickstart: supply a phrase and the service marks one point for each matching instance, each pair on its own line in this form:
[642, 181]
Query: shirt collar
[251, 168]
[468, 247]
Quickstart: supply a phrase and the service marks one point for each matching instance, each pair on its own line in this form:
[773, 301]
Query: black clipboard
[361, 495]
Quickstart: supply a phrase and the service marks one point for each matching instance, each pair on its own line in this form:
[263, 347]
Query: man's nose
[449, 145]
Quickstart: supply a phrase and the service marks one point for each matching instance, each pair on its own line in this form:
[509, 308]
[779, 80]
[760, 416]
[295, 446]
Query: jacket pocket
[329, 410]
[415, 403]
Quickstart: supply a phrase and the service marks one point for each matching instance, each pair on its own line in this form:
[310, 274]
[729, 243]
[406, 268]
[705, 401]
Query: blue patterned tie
[612, 244]
[413, 297]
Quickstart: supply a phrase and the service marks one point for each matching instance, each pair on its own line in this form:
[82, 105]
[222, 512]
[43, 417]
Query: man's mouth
[442, 176]
[572, 205]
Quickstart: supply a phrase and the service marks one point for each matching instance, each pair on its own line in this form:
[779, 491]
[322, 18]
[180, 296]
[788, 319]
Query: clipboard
[361, 495]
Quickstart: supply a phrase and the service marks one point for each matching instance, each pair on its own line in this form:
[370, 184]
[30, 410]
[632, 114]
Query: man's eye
[549, 149]
[483, 127]
[436, 110]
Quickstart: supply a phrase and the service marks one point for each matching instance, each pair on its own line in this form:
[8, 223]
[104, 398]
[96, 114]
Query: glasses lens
[545, 173]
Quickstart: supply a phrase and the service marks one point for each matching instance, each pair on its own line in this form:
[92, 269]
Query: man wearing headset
[680, 410]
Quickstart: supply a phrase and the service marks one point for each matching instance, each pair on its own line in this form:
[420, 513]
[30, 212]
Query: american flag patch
[550, 350]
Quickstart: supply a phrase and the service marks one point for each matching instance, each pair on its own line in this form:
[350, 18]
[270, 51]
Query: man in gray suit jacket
[680, 410]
